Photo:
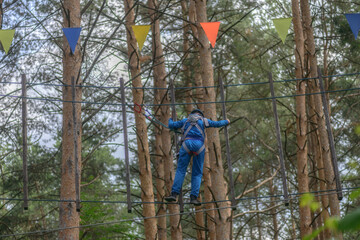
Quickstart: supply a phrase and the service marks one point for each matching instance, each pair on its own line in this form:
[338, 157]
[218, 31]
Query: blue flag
[354, 22]
[72, 35]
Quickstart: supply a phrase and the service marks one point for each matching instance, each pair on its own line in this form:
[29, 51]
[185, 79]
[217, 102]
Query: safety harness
[193, 118]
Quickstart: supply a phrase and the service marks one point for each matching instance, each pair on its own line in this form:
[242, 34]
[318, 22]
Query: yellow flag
[282, 26]
[6, 37]
[141, 31]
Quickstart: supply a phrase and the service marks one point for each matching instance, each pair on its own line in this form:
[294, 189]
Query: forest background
[247, 49]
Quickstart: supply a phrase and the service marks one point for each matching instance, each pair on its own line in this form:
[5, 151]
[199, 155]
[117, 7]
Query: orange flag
[211, 30]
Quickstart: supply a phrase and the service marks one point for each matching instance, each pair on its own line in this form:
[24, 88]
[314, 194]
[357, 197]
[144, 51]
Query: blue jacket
[194, 133]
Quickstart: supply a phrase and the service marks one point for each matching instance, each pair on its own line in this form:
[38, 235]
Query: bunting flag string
[141, 32]
[211, 30]
[6, 38]
[354, 22]
[72, 35]
[282, 26]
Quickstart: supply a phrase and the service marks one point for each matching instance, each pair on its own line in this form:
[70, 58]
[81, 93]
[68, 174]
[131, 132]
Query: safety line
[190, 103]
[138, 219]
[159, 202]
[194, 87]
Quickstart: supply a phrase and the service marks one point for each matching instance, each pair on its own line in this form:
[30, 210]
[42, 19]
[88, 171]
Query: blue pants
[197, 167]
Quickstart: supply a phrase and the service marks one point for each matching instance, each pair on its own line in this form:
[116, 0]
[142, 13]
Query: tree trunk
[159, 78]
[314, 187]
[219, 185]
[147, 194]
[1, 13]
[316, 149]
[293, 224]
[314, 88]
[186, 47]
[164, 114]
[210, 214]
[199, 216]
[301, 120]
[69, 217]
[273, 210]
[258, 220]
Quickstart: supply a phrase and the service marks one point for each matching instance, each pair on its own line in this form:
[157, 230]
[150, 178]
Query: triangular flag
[6, 37]
[72, 35]
[211, 30]
[141, 32]
[282, 26]
[354, 22]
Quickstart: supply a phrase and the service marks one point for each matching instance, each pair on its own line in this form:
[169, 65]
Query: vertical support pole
[173, 115]
[331, 138]
[77, 182]
[228, 156]
[126, 147]
[24, 142]
[278, 135]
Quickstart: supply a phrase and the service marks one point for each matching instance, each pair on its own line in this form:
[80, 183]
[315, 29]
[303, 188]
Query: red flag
[211, 30]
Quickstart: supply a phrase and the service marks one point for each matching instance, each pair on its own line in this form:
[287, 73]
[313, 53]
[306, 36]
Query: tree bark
[316, 152]
[1, 13]
[164, 114]
[210, 214]
[147, 194]
[219, 185]
[69, 217]
[301, 120]
[186, 48]
[159, 78]
[199, 216]
[314, 88]
[258, 220]
[273, 210]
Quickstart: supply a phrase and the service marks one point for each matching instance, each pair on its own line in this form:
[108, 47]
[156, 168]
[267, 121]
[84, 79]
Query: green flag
[282, 26]
[6, 37]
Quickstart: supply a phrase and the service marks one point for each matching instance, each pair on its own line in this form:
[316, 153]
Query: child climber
[192, 144]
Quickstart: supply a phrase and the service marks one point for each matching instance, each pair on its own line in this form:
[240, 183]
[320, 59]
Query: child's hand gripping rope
[147, 113]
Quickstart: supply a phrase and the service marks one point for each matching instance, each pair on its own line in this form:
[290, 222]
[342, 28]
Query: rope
[137, 219]
[159, 202]
[194, 87]
[191, 103]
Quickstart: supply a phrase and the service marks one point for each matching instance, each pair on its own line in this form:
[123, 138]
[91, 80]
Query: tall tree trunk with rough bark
[219, 185]
[147, 193]
[317, 155]
[69, 217]
[210, 214]
[258, 220]
[164, 136]
[1, 13]
[314, 88]
[186, 48]
[199, 216]
[159, 77]
[272, 191]
[163, 112]
[301, 119]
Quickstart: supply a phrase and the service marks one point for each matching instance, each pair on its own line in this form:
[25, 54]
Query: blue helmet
[197, 111]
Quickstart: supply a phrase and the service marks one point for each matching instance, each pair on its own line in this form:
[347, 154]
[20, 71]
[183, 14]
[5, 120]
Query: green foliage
[357, 130]
[349, 223]
[308, 199]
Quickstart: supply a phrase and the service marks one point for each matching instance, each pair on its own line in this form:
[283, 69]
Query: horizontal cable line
[141, 218]
[158, 202]
[190, 103]
[159, 88]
